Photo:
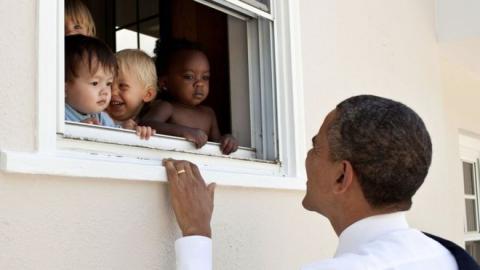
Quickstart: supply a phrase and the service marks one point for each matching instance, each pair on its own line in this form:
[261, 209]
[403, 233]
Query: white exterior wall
[461, 83]
[381, 47]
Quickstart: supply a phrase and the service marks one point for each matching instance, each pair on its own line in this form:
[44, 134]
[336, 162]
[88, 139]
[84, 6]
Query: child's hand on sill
[196, 136]
[91, 121]
[228, 144]
[129, 124]
[144, 132]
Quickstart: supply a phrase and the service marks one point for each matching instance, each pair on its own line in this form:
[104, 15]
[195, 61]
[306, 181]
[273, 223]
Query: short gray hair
[388, 146]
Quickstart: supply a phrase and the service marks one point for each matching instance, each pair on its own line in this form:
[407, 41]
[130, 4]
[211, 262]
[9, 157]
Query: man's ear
[150, 94]
[345, 177]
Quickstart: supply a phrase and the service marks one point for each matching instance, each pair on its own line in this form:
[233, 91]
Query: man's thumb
[211, 190]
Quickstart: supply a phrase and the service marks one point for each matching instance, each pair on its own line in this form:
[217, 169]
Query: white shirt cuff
[194, 253]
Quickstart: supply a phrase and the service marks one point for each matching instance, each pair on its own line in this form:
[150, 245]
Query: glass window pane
[473, 248]
[260, 4]
[126, 39]
[149, 33]
[239, 83]
[125, 12]
[468, 178]
[471, 210]
[148, 8]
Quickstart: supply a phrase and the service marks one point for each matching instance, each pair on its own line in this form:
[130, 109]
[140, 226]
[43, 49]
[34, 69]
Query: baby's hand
[228, 144]
[129, 124]
[196, 135]
[144, 132]
[91, 121]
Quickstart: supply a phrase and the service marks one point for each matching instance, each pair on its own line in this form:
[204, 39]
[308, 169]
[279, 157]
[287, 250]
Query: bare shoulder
[159, 110]
[206, 110]
[161, 105]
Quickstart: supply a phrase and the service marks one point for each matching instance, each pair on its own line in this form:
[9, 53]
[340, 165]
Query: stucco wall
[388, 49]
[461, 83]
[380, 47]
[17, 86]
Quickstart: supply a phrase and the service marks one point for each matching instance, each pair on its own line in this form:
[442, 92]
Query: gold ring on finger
[181, 171]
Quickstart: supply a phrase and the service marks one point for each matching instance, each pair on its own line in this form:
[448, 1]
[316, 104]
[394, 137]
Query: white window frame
[61, 155]
[470, 153]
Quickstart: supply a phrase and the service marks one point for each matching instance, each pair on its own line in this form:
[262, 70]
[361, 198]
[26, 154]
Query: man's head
[382, 144]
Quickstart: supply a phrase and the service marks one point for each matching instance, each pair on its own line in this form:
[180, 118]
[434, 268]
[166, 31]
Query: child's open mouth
[116, 103]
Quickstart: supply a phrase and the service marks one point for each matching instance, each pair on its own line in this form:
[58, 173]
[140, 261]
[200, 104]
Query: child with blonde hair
[90, 69]
[78, 19]
[134, 87]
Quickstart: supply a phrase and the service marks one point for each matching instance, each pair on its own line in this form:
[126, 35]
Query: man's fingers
[171, 170]
[189, 172]
[197, 175]
[196, 172]
[184, 167]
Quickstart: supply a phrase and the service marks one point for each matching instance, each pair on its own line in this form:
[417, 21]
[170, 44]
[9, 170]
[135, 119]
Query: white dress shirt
[375, 243]
[386, 242]
[194, 253]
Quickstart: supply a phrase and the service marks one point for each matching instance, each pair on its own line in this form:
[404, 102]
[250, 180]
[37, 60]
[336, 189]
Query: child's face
[89, 93]
[128, 96]
[72, 27]
[188, 77]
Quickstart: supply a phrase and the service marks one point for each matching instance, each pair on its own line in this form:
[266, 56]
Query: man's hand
[191, 198]
[228, 144]
[195, 135]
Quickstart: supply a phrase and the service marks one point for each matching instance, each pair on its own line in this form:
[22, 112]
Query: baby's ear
[162, 83]
[150, 94]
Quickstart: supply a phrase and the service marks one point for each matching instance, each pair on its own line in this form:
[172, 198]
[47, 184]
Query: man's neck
[339, 224]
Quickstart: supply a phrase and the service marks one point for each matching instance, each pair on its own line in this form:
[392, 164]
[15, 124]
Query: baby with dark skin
[184, 75]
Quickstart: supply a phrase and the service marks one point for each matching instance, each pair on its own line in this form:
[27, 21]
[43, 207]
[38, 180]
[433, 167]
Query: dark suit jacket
[464, 260]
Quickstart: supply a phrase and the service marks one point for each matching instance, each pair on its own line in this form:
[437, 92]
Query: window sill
[472, 237]
[93, 165]
[118, 136]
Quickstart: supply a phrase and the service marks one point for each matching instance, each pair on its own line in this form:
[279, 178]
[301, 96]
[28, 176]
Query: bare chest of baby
[192, 117]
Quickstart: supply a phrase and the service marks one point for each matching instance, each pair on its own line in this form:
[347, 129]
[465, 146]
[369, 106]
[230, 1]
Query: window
[470, 154]
[270, 70]
[238, 39]
[136, 24]
[470, 181]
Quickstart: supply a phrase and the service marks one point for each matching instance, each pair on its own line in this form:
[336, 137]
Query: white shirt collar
[367, 229]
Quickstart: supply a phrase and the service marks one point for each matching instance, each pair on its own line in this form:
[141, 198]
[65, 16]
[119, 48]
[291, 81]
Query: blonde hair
[140, 64]
[78, 11]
